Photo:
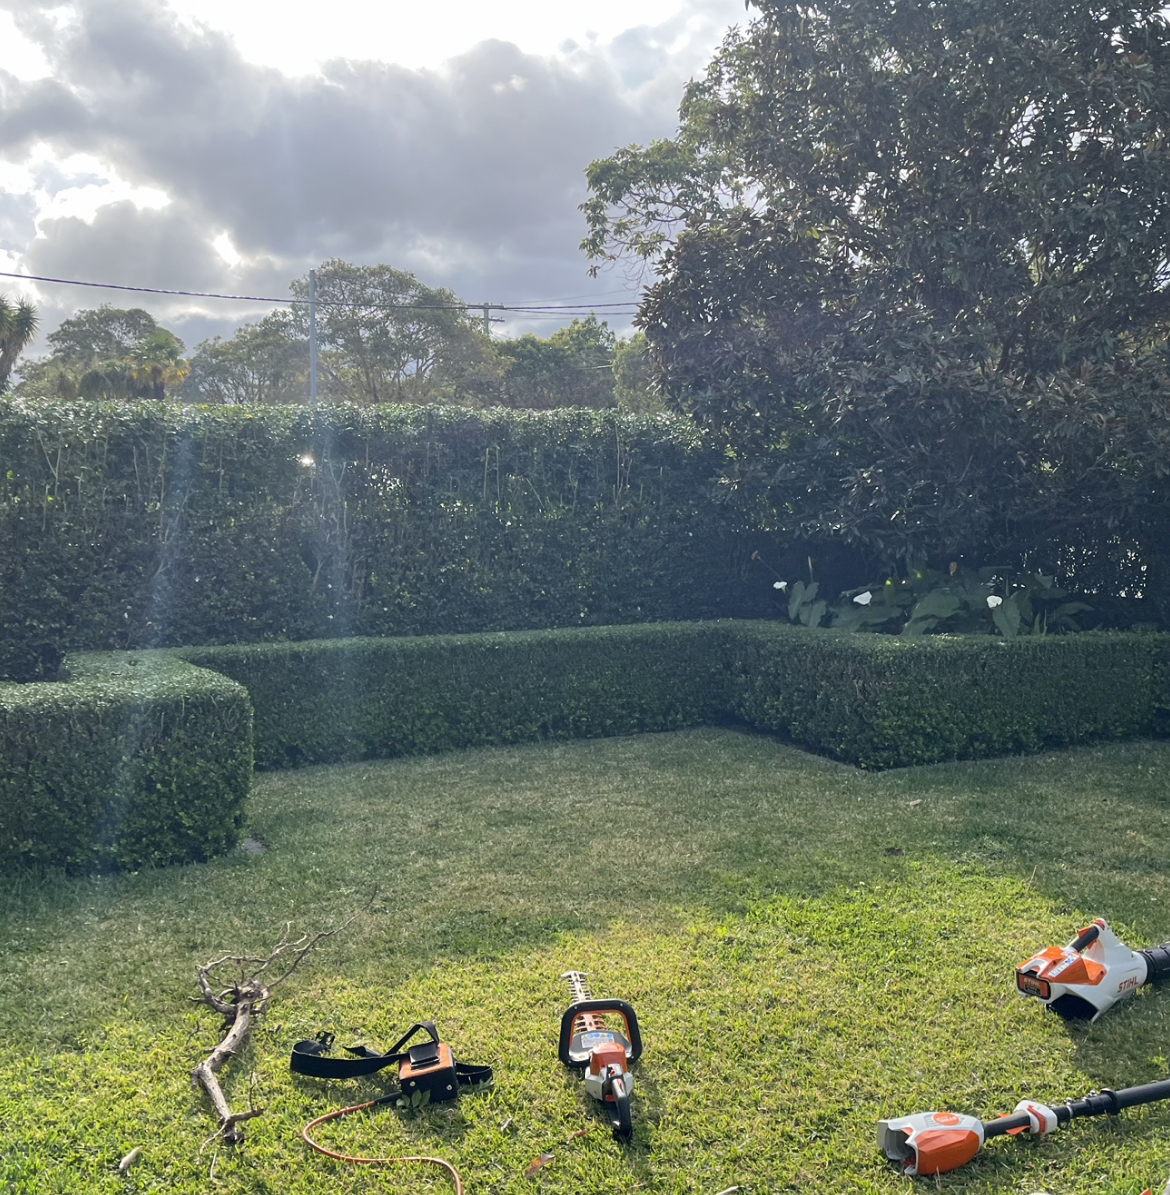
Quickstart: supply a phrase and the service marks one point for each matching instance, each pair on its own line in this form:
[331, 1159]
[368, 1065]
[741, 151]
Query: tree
[265, 362]
[571, 368]
[100, 334]
[634, 383]
[156, 363]
[18, 327]
[385, 337]
[913, 264]
[108, 352]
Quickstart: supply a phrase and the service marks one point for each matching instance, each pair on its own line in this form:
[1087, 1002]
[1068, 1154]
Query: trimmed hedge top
[881, 701]
[145, 758]
[328, 700]
[138, 760]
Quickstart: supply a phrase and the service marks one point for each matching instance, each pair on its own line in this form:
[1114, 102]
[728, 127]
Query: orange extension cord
[371, 1161]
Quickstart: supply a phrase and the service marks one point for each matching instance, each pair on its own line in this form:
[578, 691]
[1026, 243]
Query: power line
[145, 290]
[575, 308]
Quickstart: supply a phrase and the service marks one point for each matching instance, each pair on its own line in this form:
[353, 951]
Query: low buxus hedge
[144, 758]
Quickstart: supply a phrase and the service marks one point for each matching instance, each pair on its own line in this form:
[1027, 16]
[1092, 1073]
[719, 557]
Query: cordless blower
[936, 1142]
[590, 1042]
[1087, 977]
[1078, 982]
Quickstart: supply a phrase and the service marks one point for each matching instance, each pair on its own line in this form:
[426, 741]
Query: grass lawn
[809, 948]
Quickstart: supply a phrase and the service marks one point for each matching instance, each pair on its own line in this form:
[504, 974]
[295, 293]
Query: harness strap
[310, 1057]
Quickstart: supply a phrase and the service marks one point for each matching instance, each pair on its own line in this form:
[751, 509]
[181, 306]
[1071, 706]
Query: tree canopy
[264, 362]
[107, 352]
[571, 368]
[385, 336]
[100, 334]
[913, 260]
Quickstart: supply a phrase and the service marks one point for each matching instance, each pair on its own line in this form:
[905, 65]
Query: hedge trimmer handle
[591, 1014]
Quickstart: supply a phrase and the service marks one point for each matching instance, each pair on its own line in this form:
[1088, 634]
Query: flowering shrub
[957, 602]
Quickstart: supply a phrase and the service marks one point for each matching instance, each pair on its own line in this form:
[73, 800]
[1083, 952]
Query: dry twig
[239, 1004]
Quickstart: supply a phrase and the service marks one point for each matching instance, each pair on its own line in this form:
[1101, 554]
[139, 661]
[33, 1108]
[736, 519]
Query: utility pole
[488, 318]
[312, 338]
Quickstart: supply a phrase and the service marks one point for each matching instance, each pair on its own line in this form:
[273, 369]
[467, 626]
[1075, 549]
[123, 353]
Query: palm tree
[156, 362]
[18, 326]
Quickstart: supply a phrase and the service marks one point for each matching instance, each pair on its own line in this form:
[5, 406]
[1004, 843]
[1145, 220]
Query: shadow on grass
[809, 947]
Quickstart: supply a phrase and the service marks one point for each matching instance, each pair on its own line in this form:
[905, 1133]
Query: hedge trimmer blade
[590, 1043]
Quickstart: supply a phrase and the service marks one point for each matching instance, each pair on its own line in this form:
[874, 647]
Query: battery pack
[428, 1073]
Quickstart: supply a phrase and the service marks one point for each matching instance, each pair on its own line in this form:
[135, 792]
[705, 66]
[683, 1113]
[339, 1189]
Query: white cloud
[83, 203]
[427, 35]
[20, 56]
[222, 244]
[156, 153]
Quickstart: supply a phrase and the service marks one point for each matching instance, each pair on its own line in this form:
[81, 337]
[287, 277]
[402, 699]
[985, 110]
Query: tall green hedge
[880, 701]
[131, 526]
[329, 700]
[137, 760]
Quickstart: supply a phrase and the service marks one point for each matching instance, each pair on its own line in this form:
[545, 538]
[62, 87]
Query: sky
[232, 145]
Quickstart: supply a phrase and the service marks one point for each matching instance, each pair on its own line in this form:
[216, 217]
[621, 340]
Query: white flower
[781, 585]
[863, 599]
[307, 461]
[994, 600]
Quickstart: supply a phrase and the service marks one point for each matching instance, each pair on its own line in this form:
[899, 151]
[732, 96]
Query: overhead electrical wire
[198, 294]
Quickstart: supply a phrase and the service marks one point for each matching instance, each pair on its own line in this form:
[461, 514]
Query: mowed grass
[809, 948]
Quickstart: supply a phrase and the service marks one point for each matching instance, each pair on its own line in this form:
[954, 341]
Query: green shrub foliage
[137, 760]
[132, 526]
[334, 700]
[145, 758]
[880, 701]
[871, 700]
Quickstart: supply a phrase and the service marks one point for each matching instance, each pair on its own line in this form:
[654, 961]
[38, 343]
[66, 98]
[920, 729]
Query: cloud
[469, 175]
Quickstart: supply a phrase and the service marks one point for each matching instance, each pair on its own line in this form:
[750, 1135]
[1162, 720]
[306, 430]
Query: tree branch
[239, 1004]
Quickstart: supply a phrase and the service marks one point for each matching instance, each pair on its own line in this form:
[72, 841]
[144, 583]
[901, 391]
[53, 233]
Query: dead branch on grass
[240, 1003]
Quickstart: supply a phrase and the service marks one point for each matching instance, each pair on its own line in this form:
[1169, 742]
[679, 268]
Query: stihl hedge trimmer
[935, 1142]
[590, 1042]
[1087, 977]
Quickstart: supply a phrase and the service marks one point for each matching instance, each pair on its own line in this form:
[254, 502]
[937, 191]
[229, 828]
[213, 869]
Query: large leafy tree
[571, 368]
[385, 337]
[99, 334]
[264, 362]
[108, 352]
[18, 327]
[913, 260]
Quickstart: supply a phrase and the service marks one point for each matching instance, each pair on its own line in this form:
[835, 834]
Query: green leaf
[937, 605]
[801, 594]
[812, 614]
[1007, 618]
